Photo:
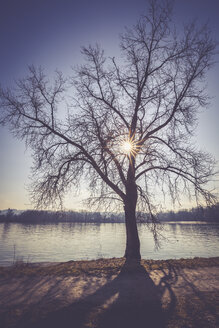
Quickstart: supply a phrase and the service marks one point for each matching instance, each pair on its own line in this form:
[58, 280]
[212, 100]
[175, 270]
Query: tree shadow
[133, 298]
[129, 300]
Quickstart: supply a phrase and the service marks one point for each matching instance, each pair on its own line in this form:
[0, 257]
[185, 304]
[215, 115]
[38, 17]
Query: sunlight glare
[127, 147]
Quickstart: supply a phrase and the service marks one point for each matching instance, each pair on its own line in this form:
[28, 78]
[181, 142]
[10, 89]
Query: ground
[111, 293]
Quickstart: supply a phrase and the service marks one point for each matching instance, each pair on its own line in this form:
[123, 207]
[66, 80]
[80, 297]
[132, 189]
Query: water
[80, 241]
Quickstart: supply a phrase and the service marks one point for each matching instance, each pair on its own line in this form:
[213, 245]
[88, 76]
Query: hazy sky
[50, 33]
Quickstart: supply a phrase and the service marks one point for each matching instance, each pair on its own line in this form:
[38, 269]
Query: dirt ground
[111, 293]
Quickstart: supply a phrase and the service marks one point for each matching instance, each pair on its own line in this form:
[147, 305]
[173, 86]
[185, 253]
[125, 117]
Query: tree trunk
[132, 239]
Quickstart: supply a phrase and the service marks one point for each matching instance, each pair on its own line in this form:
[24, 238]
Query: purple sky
[50, 33]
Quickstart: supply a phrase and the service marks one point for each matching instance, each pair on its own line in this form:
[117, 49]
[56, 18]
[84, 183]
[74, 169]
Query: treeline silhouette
[34, 216]
[206, 214]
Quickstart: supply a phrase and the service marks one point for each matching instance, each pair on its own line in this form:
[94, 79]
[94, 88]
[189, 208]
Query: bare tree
[128, 127]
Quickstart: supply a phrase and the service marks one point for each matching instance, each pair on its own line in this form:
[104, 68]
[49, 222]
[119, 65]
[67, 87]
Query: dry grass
[171, 293]
[101, 266]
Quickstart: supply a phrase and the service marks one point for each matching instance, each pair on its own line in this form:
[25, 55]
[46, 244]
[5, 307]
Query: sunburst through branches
[129, 147]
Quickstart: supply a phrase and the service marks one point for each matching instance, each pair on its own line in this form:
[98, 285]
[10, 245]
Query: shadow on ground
[130, 299]
[120, 303]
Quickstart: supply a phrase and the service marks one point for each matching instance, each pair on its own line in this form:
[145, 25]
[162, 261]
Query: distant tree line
[35, 216]
[206, 214]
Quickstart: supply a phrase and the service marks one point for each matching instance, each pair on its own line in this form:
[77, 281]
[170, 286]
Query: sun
[127, 147]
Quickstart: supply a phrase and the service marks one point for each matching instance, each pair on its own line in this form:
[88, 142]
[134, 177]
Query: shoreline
[103, 264]
[36, 222]
[108, 293]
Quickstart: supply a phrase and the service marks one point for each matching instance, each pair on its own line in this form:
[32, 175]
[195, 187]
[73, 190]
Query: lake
[86, 241]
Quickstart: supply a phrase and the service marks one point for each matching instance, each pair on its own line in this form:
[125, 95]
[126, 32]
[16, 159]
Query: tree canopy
[123, 125]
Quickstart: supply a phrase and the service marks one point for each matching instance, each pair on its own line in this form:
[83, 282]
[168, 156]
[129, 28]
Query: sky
[50, 33]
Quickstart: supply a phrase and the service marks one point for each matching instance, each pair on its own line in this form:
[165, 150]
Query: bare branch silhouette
[128, 127]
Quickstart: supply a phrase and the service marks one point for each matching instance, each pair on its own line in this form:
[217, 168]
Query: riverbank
[111, 293]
